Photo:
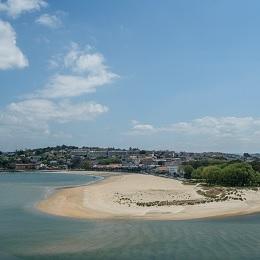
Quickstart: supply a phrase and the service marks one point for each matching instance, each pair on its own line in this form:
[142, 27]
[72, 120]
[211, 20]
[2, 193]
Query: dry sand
[122, 197]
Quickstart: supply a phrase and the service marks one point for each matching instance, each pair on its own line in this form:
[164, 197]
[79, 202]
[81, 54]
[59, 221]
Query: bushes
[197, 173]
[187, 170]
[204, 162]
[212, 174]
[238, 174]
[256, 165]
[109, 161]
[235, 174]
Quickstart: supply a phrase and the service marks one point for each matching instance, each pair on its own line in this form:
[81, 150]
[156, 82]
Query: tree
[212, 174]
[238, 174]
[257, 179]
[187, 169]
[107, 161]
[86, 165]
[75, 163]
[197, 173]
[256, 165]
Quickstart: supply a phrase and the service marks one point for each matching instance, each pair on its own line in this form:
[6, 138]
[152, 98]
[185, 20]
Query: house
[173, 170]
[161, 170]
[117, 153]
[26, 166]
[95, 154]
[147, 161]
[79, 152]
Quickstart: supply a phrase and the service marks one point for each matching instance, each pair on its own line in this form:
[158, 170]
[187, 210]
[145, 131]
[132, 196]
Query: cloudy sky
[181, 75]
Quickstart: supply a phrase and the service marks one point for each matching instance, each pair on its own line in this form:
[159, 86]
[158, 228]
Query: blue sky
[181, 75]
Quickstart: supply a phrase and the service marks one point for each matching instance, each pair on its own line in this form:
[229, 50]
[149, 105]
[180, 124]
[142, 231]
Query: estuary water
[26, 233]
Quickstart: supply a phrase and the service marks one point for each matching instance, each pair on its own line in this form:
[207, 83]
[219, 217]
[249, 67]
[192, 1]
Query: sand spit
[149, 197]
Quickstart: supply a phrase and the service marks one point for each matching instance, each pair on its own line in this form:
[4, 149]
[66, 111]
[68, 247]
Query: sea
[26, 233]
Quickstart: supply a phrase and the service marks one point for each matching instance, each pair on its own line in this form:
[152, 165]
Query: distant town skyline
[177, 75]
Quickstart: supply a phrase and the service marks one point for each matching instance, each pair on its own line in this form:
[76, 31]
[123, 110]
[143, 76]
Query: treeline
[7, 164]
[217, 172]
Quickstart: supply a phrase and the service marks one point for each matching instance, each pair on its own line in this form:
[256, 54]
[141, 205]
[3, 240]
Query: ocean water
[26, 233]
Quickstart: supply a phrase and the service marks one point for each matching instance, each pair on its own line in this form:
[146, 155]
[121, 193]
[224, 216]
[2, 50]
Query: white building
[79, 152]
[95, 154]
[117, 153]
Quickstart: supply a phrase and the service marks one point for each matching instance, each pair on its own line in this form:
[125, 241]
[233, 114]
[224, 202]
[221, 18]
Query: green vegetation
[108, 161]
[86, 165]
[223, 173]
[206, 162]
[256, 165]
[188, 170]
[7, 163]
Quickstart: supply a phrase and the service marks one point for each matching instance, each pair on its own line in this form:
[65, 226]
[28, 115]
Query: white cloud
[10, 55]
[207, 133]
[144, 127]
[85, 72]
[16, 7]
[35, 115]
[51, 21]
[134, 122]
[141, 129]
[70, 86]
[218, 127]
[81, 61]
[215, 126]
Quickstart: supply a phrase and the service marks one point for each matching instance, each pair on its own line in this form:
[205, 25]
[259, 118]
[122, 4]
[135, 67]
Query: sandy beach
[149, 197]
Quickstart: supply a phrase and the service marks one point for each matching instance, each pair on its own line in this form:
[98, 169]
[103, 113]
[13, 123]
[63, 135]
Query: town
[163, 163]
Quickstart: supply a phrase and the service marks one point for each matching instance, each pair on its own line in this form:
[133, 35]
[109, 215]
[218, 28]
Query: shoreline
[120, 196]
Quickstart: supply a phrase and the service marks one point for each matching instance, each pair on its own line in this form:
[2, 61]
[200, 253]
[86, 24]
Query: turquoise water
[26, 233]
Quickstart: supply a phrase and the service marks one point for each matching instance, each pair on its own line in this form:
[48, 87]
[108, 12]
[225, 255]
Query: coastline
[120, 196]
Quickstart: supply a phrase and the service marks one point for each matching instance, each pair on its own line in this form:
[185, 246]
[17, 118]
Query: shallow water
[26, 233]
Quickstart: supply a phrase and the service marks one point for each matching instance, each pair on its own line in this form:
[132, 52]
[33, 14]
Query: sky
[182, 75]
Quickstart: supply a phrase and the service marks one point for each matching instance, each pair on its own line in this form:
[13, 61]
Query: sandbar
[140, 196]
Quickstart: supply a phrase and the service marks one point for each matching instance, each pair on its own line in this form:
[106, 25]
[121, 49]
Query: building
[26, 166]
[173, 162]
[161, 170]
[79, 152]
[173, 170]
[96, 154]
[147, 161]
[117, 153]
